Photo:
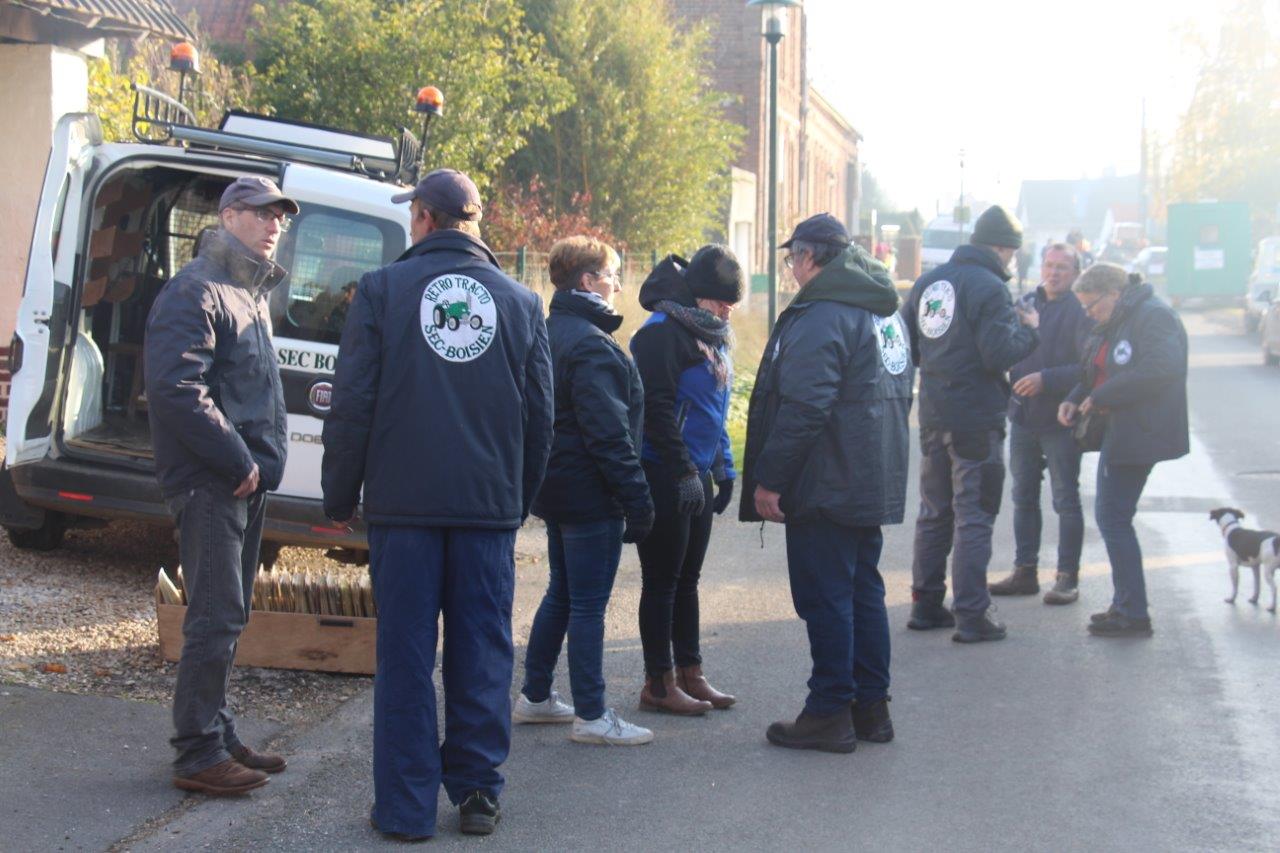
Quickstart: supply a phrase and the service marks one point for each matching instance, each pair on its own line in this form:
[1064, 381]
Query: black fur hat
[714, 273]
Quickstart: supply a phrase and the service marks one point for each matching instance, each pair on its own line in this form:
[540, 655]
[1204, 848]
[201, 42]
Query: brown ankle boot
[691, 680]
[661, 693]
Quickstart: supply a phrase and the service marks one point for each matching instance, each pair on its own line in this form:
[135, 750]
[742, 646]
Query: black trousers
[670, 564]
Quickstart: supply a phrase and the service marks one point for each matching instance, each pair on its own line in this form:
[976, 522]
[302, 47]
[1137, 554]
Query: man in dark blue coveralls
[442, 409]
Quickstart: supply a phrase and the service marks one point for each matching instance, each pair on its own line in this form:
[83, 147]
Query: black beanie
[714, 273]
[997, 227]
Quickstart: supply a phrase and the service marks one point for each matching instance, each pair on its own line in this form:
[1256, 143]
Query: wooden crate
[287, 640]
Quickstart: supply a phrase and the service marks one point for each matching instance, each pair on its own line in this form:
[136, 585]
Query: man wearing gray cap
[217, 415]
[442, 412]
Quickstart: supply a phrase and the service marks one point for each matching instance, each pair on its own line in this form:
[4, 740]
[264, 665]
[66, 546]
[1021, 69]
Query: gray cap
[448, 191]
[255, 191]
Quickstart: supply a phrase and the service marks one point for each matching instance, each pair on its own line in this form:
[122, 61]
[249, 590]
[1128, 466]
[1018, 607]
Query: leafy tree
[645, 142]
[1227, 145]
[516, 216]
[358, 63]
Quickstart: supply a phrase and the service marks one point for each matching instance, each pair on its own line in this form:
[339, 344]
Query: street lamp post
[775, 27]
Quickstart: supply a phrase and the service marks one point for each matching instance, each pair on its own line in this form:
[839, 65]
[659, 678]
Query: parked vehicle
[115, 221]
[1270, 328]
[941, 237]
[1209, 251]
[1150, 264]
[1264, 284]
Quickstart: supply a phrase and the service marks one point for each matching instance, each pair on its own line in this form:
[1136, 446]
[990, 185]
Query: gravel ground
[81, 619]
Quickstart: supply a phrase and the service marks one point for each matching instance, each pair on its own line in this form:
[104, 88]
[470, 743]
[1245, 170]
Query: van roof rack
[159, 119]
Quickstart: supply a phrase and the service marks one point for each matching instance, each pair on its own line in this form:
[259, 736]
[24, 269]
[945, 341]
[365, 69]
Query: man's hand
[767, 504]
[1086, 407]
[1027, 315]
[343, 525]
[724, 494]
[249, 485]
[1067, 412]
[1030, 385]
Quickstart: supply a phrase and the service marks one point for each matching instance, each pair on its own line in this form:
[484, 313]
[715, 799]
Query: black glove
[637, 528]
[691, 498]
[724, 494]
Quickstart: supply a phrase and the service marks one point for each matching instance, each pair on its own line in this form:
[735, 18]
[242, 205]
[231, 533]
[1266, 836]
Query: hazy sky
[1028, 88]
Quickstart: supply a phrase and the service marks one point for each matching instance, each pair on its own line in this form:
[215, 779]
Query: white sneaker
[610, 729]
[549, 710]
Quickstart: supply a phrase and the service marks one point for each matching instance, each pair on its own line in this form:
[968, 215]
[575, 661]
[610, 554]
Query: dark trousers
[1031, 453]
[468, 574]
[838, 592]
[670, 564]
[583, 564]
[219, 538]
[961, 480]
[1119, 488]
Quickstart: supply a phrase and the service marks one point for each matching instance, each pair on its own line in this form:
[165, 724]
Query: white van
[941, 237]
[115, 221]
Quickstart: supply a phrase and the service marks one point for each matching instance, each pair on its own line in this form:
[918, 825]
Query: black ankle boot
[832, 733]
[930, 614]
[1023, 581]
[871, 721]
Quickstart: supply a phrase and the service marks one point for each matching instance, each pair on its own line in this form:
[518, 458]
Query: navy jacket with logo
[594, 472]
[1145, 391]
[965, 337]
[827, 426]
[442, 398]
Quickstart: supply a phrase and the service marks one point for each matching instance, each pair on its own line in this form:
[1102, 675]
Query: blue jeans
[218, 541]
[1119, 488]
[838, 592]
[468, 574]
[1030, 453]
[584, 561]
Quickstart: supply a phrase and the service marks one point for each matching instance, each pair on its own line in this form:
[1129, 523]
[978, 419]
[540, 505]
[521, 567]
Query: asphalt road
[1051, 740]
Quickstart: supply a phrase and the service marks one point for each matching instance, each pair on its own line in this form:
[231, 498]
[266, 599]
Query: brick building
[817, 147]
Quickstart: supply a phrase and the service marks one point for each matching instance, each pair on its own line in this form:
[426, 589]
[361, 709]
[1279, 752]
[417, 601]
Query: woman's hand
[1067, 412]
[1030, 385]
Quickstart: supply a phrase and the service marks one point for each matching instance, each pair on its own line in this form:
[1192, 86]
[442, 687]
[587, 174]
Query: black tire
[453, 323]
[475, 322]
[46, 537]
[437, 317]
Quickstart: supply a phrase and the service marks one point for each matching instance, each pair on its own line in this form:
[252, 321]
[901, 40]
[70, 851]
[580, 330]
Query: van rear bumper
[98, 491]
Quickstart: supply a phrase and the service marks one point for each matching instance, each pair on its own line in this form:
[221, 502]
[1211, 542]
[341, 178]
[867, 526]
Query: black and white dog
[1257, 549]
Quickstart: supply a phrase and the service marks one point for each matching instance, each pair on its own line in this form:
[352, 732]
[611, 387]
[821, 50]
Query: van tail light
[15, 355]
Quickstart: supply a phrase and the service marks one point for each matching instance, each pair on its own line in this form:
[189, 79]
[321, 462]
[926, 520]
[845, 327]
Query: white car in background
[942, 236]
[1264, 284]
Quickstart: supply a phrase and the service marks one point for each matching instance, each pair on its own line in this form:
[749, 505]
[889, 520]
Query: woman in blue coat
[1135, 387]
[682, 352]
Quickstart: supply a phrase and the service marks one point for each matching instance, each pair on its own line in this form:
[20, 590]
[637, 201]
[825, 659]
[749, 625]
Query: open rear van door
[43, 323]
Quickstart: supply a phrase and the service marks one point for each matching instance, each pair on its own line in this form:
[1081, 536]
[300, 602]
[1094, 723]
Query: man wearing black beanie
[965, 335]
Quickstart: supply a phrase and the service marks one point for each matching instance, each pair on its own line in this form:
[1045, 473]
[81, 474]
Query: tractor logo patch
[891, 336]
[1123, 352]
[937, 309]
[458, 317]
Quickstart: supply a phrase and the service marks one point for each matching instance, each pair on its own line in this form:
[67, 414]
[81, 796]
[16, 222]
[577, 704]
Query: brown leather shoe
[227, 777]
[661, 693]
[259, 760]
[691, 680]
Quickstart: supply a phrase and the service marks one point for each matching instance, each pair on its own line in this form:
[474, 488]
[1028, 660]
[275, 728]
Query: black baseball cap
[820, 228]
[448, 191]
[255, 191]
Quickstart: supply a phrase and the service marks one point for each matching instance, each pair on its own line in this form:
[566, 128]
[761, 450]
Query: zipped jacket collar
[243, 267]
[451, 240]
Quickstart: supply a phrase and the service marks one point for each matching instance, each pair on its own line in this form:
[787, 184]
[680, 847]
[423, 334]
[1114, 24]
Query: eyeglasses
[265, 215]
[609, 275]
[1089, 306]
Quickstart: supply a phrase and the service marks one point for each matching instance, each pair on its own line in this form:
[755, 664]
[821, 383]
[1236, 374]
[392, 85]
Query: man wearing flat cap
[217, 415]
[965, 335]
[442, 412]
[826, 455]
